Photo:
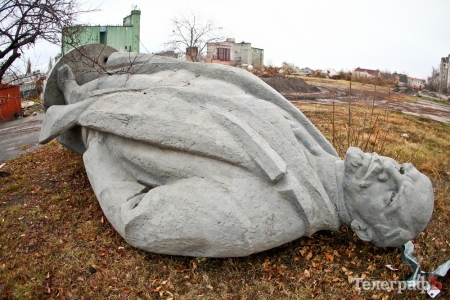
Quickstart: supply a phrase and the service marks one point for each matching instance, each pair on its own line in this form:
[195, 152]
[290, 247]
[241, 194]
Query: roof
[368, 71]
[416, 79]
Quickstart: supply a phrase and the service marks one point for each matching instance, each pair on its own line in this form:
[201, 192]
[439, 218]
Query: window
[223, 54]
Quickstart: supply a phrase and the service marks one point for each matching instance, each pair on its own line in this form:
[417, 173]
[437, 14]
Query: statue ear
[363, 230]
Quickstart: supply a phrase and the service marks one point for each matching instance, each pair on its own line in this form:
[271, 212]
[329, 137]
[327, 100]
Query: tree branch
[25, 22]
[190, 32]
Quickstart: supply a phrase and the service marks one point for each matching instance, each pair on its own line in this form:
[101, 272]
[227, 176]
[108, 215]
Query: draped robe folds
[196, 159]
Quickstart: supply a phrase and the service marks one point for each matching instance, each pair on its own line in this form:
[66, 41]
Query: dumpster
[10, 104]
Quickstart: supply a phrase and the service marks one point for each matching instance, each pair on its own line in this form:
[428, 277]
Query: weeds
[12, 188]
[364, 128]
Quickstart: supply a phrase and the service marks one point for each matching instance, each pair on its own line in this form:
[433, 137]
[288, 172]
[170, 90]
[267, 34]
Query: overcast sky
[407, 36]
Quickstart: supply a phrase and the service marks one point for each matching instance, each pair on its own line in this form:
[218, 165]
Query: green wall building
[248, 55]
[124, 38]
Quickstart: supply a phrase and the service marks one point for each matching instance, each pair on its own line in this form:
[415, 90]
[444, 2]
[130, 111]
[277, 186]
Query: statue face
[384, 197]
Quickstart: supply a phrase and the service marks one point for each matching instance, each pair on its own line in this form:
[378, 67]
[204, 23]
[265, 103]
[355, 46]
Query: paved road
[19, 136]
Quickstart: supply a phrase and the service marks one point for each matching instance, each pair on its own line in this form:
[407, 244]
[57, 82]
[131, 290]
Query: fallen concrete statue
[207, 160]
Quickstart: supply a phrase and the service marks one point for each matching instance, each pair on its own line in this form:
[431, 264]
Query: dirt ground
[289, 85]
[325, 91]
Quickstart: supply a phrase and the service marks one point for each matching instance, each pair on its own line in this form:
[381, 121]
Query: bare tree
[190, 35]
[50, 64]
[434, 80]
[23, 23]
[28, 66]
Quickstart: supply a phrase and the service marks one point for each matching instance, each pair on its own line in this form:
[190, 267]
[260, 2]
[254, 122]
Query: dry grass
[359, 90]
[427, 145]
[55, 242]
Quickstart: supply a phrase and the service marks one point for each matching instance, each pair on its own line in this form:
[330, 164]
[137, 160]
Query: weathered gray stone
[207, 160]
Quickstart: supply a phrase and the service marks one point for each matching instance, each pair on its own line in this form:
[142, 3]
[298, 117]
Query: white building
[416, 83]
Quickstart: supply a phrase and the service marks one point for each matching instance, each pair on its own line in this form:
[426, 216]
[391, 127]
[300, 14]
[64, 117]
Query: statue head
[388, 203]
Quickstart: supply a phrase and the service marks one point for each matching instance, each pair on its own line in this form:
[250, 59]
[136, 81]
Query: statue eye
[402, 170]
[392, 197]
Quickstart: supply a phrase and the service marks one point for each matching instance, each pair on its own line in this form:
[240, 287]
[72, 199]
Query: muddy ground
[324, 91]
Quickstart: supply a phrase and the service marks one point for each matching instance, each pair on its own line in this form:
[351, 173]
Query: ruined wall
[243, 53]
[212, 52]
[257, 57]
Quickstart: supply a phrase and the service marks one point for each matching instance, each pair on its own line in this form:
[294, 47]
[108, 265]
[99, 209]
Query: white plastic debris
[390, 267]
[26, 104]
[434, 286]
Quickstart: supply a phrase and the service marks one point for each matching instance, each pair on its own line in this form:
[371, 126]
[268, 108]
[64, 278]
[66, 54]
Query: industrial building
[124, 38]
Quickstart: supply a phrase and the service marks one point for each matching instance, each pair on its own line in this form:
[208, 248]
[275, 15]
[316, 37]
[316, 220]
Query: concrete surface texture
[20, 136]
[207, 160]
